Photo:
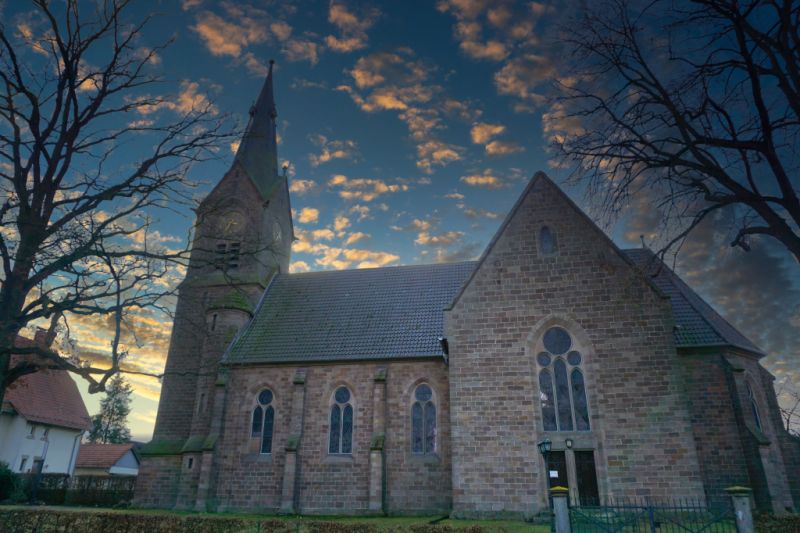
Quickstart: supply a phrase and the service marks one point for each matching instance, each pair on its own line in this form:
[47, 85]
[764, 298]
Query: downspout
[73, 455]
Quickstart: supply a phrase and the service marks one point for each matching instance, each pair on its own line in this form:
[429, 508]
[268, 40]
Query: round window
[557, 341]
[342, 395]
[265, 397]
[423, 393]
[574, 358]
[543, 358]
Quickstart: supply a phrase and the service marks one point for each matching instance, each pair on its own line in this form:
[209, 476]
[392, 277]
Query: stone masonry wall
[327, 483]
[716, 431]
[641, 429]
[157, 482]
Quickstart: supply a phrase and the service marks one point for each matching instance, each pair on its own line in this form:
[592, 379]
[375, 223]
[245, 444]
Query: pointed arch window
[562, 389]
[263, 421]
[423, 421]
[754, 406]
[341, 430]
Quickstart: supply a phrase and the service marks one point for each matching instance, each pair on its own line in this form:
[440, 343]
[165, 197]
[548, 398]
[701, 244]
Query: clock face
[232, 224]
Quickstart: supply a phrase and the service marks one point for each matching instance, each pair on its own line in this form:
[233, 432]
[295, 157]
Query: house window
[32, 431]
[23, 464]
[341, 430]
[264, 420]
[547, 241]
[562, 388]
[46, 433]
[423, 421]
[754, 406]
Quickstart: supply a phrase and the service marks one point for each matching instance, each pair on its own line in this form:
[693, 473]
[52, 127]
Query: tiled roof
[46, 396]
[396, 312]
[373, 313]
[97, 455]
[698, 323]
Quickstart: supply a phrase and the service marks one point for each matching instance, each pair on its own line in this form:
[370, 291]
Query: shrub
[770, 523]
[10, 485]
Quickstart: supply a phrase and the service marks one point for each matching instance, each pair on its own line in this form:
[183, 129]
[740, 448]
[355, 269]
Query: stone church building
[427, 388]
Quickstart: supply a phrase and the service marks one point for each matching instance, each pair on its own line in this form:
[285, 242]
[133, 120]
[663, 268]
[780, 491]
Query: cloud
[340, 223]
[188, 100]
[363, 189]
[301, 50]
[436, 153]
[471, 212]
[355, 237]
[299, 266]
[486, 180]
[503, 148]
[338, 257]
[229, 37]
[352, 29]
[322, 234]
[308, 215]
[332, 149]
[443, 239]
[302, 186]
[522, 75]
[482, 132]
[281, 30]
[454, 196]
[361, 210]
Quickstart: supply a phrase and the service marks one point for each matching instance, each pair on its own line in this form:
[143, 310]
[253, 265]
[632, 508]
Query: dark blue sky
[410, 127]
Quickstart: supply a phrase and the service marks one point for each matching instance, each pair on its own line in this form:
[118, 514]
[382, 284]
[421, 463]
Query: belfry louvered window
[562, 388]
[264, 420]
[226, 255]
[341, 430]
[423, 421]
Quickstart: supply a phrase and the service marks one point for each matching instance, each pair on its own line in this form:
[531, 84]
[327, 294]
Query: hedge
[770, 523]
[38, 520]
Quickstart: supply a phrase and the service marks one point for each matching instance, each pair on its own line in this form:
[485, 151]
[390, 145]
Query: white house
[96, 459]
[42, 420]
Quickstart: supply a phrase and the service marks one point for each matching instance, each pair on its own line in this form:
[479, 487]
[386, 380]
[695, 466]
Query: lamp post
[544, 448]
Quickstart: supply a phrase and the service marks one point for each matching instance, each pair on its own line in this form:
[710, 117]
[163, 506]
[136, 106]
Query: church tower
[242, 238]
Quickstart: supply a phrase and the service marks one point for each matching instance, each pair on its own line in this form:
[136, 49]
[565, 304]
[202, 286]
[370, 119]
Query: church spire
[258, 151]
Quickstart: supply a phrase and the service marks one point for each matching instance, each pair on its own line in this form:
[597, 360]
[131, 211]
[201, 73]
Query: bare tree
[789, 400]
[693, 103]
[77, 213]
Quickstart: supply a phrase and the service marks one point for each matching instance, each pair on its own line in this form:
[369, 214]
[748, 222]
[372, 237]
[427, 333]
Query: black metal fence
[646, 516]
[58, 489]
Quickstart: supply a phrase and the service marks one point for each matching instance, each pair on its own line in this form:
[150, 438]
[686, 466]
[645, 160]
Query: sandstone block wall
[641, 429]
[328, 483]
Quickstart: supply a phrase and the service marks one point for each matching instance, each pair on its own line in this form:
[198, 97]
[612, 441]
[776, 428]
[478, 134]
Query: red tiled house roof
[97, 455]
[46, 396]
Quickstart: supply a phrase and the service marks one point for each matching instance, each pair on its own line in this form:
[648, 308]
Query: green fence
[645, 516]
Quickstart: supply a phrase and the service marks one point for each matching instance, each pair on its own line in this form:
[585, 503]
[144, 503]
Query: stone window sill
[257, 458]
[425, 458]
[339, 458]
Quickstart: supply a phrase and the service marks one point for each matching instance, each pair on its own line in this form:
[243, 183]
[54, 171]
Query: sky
[410, 129]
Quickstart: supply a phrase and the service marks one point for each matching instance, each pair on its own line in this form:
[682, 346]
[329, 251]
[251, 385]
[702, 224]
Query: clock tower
[242, 238]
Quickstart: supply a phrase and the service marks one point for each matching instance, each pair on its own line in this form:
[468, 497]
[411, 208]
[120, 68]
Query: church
[428, 388]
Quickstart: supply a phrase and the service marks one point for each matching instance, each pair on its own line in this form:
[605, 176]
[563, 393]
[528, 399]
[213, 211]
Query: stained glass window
[562, 397]
[423, 421]
[557, 341]
[258, 420]
[754, 406]
[264, 420]
[579, 399]
[269, 422]
[341, 431]
[547, 244]
[564, 403]
[548, 405]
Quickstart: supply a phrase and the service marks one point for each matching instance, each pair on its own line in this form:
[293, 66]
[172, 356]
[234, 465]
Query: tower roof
[258, 151]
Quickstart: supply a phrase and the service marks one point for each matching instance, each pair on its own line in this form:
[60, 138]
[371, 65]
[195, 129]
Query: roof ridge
[373, 269]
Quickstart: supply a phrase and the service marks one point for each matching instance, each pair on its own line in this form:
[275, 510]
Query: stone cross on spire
[258, 150]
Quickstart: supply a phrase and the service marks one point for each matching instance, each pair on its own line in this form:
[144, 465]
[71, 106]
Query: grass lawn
[391, 522]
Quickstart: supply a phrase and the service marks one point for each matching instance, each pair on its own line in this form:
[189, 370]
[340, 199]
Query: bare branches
[77, 218]
[694, 104]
